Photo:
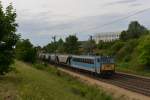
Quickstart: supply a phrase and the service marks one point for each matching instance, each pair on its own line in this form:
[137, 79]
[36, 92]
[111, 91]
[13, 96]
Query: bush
[5, 60]
[144, 50]
[25, 51]
[125, 52]
[105, 45]
[116, 47]
[41, 66]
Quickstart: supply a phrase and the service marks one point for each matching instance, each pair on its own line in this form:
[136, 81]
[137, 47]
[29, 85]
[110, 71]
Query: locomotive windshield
[106, 59]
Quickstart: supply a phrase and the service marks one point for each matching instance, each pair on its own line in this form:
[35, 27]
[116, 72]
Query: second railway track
[132, 83]
[129, 82]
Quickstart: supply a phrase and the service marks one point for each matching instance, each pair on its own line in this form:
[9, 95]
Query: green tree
[100, 44]
[50, 48]
[123, 35]
[25, 51]
[135, 30]
[89, 46]
[60, 46]
[72, 45]
[8, 38]
[144, 51]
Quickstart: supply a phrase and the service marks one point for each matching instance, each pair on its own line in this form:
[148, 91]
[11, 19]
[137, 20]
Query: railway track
[129, 82]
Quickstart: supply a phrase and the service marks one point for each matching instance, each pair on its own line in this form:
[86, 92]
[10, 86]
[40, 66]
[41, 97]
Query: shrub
[25, 51]
[144, 50]
[105, 45]
[116, 47]
[41, 66]
[125, 52]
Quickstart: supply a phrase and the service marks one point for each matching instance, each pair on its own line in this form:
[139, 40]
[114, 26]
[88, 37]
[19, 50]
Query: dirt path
[117, 92]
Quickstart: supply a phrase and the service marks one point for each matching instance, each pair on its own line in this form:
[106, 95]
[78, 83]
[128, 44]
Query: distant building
[106, 36]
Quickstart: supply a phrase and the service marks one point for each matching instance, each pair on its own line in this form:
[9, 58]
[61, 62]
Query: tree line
[69, 46]
[134, 43]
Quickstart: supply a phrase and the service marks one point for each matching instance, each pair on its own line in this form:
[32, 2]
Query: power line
[120, 19]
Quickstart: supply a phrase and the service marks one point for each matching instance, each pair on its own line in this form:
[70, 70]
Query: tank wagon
[104, 65]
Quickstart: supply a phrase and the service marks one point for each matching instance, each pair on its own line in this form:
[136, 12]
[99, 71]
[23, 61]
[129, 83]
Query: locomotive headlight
[108, 67]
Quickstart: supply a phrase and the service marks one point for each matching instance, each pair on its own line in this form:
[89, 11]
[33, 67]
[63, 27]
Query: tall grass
[45, 83]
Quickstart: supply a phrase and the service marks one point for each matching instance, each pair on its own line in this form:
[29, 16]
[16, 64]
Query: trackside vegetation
[132, 51]
[40, 82]
[25, 51]
[8, 37]
[133, 57]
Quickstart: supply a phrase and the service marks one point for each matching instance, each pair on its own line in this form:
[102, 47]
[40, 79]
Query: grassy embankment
[29, 83]
[129, 57]
[128, 54]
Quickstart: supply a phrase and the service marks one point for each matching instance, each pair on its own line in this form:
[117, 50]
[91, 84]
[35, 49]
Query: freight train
[100, 65]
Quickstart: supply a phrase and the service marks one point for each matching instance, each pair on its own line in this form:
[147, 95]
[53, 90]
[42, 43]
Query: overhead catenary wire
[117, 20]
[120, 19]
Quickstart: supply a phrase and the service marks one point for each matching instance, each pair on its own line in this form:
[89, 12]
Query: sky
[39, 20]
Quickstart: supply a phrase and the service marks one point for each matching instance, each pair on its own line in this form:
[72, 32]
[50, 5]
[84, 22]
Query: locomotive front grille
[108, 67]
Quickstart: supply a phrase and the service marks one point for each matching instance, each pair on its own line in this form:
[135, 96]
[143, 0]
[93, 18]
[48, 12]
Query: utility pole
[91, 47]
[91, 51]
[54, 39]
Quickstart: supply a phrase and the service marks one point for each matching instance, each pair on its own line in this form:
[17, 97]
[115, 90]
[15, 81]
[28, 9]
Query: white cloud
[40, 19]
